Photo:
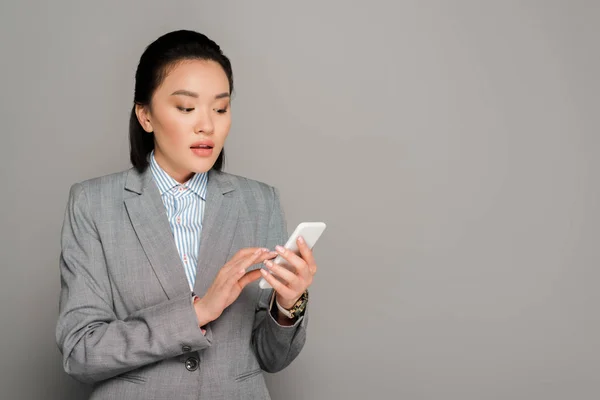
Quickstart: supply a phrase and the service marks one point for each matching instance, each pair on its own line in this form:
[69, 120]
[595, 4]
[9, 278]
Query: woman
[159, 263]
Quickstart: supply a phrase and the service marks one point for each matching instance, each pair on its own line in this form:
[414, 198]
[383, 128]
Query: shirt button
[186, 348]
[181, 188]
[191, 364]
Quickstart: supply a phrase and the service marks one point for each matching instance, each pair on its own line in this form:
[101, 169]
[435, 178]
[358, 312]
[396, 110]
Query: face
[190, 117]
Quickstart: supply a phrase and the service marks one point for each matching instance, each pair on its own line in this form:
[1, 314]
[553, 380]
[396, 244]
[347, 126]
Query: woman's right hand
[229, 283]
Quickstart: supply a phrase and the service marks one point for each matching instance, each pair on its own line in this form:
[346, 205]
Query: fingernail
[268, 263]
[264, 249]
[242, 271]
[262, 271]
[300, 239]
[280, 249]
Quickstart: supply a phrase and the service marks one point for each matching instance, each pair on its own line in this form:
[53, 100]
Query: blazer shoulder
[252, 188]
[116, 178]
[102, 187]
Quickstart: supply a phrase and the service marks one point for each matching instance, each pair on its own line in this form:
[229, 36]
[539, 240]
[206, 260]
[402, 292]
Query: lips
[204, 144]
[203, 148]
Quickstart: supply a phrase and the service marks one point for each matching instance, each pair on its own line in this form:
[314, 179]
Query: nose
[204, 123]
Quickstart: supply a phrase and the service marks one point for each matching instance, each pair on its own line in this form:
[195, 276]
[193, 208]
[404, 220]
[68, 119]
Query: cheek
[223, 129]
[173, 128]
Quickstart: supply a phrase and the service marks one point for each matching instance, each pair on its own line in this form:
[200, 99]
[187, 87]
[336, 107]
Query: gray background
[451, 146]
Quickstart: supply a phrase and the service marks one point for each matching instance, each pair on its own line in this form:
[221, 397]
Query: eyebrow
[195, 95]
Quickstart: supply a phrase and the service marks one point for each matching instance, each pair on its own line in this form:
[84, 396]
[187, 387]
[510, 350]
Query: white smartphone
[310, 231]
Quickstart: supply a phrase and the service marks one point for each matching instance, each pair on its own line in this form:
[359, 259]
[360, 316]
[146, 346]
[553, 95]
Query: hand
[229, 282]
[289, 285]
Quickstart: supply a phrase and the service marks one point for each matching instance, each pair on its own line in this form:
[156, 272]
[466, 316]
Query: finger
[298, 263]
[289, 278]
[307, 255]
[233, 279]
[249, 277]
[268, 255]
[231, 265]
[279, 287]
[255, 259]
[245, 252]
[245, 262]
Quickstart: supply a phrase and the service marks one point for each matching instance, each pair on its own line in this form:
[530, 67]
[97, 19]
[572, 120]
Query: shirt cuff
[279, 307]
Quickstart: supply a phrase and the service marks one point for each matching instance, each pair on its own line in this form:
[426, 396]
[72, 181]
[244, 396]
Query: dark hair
[153, 68]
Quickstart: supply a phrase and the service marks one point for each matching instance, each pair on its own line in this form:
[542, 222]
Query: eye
[222, 110]
[185, 109]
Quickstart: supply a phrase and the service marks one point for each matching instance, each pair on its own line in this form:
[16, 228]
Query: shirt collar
[197, 183]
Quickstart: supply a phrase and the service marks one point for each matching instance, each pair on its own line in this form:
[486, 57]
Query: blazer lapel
[149, 219]
[218, 228]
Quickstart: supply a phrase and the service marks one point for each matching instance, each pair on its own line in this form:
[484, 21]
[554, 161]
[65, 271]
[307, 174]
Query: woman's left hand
[293, 283]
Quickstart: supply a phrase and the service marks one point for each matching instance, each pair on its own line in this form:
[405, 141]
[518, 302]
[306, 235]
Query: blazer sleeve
[276, 346]
[95, 344]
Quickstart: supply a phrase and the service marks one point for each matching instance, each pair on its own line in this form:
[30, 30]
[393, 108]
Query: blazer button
[191, 364]
[186, 349]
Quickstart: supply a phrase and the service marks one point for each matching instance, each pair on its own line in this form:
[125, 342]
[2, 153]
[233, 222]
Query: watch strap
[296, 310]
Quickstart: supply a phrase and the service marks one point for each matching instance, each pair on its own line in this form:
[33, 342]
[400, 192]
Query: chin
[205, 166]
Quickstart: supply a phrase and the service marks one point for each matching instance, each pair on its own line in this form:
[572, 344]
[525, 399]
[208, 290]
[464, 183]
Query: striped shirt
[184, 204]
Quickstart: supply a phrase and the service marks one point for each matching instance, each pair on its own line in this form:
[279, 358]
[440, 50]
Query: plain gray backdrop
[451, 146]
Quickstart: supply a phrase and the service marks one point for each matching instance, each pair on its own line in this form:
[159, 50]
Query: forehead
[205, 77]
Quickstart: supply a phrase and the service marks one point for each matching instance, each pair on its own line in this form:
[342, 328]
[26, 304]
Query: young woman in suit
[159, 264]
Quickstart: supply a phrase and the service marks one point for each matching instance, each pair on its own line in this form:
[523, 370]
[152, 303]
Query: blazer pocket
[133, 378]
[248, 375]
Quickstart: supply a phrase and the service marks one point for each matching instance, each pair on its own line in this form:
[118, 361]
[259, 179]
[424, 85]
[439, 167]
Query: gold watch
[298, 307]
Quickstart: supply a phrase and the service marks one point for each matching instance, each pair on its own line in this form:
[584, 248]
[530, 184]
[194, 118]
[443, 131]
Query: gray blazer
[126, 321]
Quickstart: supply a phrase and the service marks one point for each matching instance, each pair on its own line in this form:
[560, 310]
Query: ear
[143, 116]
